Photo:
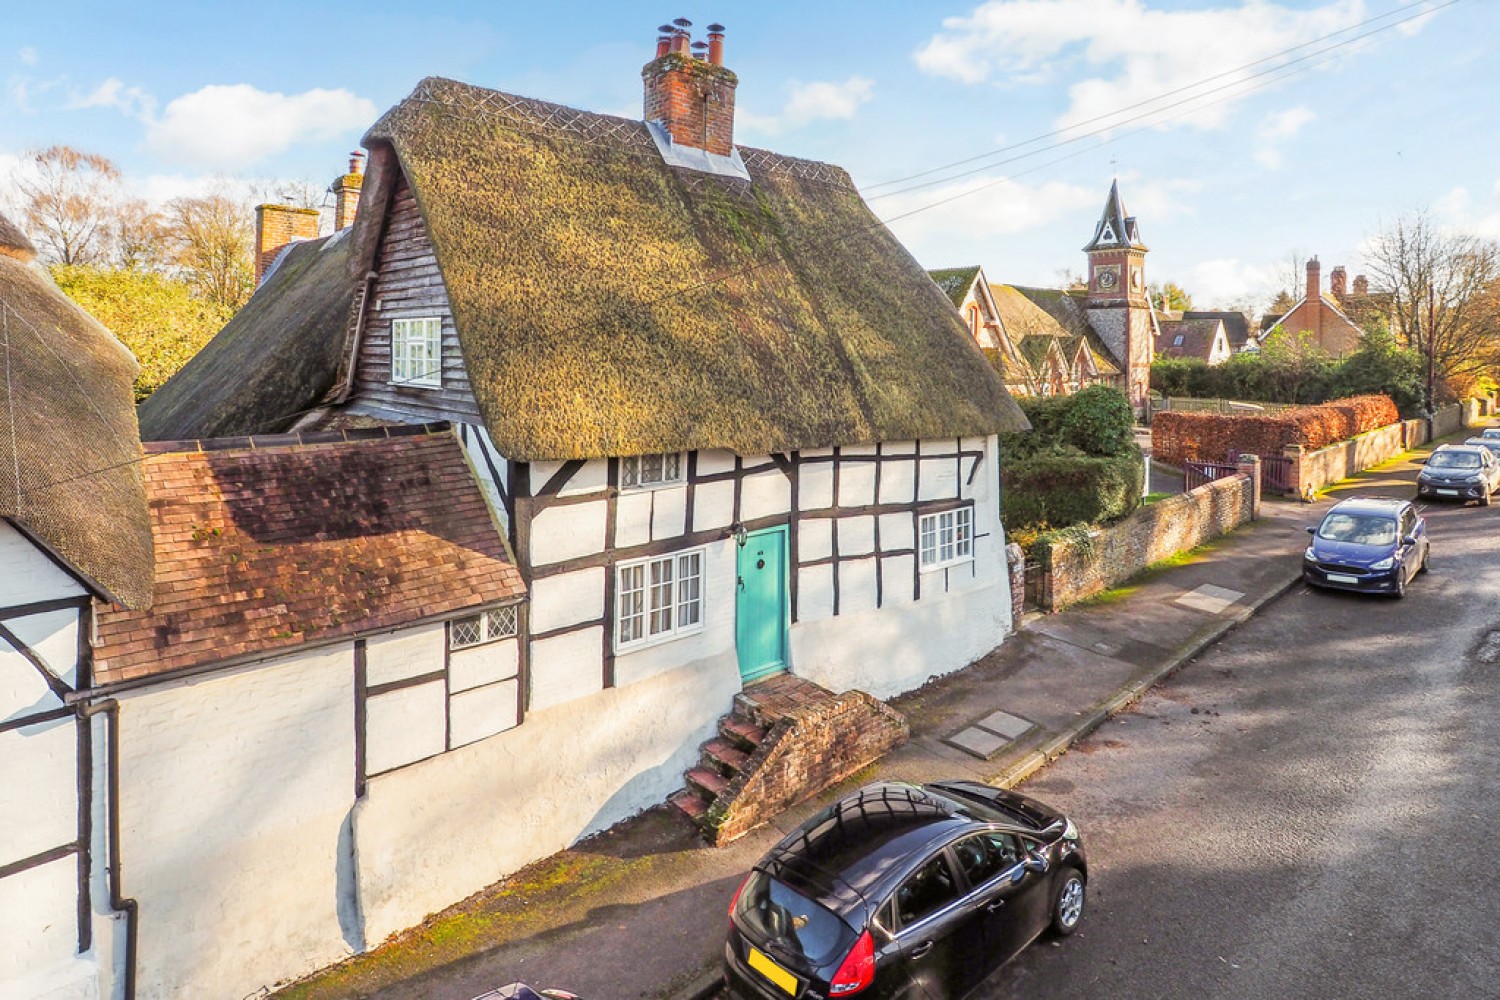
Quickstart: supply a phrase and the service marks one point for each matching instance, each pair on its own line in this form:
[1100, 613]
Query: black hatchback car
[904, 891]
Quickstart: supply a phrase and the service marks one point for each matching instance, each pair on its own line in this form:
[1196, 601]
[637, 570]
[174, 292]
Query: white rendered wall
[437, 831]
[39, 786]
[234, 789]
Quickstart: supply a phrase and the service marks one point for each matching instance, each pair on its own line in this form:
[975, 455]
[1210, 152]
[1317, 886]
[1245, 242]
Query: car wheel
[1426, 556]
[1400, 591]
[1067, 902]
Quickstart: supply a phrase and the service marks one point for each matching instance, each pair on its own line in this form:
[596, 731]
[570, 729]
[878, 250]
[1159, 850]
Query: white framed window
[417, 352]
[946, 537]
[476, 630]
[639, 471]
[658, 599]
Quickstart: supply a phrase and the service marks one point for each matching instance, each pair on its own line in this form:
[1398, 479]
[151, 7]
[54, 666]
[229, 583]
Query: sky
[1243, 133]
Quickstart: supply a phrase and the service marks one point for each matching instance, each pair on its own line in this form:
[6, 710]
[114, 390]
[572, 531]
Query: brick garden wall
[1072, 571]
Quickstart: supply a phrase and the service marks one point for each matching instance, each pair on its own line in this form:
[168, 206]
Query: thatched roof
[275, 359]
[608, 304]
[955, 281]
[13, 242]
[70, 452]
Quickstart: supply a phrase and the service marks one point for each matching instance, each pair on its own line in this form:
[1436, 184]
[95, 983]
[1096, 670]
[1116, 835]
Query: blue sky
[1310, 158]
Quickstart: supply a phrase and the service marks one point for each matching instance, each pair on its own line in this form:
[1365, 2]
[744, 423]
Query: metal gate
[1195, 474]
[1275, 473]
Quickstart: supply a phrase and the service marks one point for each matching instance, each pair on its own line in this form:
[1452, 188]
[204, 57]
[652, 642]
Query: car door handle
[921, 950]
[995, 906]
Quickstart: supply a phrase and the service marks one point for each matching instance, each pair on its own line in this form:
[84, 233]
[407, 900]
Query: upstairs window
[476, 630]
[417, 352]
[650, 470]
[947, 538]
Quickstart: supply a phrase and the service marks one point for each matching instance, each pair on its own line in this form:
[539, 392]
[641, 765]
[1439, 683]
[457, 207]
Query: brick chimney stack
[691, 97]
[1361, 285]
[345, 191]
[1314, 280]
[275, 227]
[1338, 283]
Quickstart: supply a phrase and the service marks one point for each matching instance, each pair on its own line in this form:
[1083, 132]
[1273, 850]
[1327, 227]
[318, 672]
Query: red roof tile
[263, 549]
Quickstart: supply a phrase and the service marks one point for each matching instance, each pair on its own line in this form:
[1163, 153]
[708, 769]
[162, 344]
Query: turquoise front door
[760, 608]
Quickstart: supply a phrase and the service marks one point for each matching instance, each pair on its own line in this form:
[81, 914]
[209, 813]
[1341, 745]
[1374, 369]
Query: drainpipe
[117, 902]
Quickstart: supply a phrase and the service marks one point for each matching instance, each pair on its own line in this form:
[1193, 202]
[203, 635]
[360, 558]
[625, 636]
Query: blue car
[1367, 544]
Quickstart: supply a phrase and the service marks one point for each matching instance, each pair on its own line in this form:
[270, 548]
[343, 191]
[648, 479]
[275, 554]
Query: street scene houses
[594, 491]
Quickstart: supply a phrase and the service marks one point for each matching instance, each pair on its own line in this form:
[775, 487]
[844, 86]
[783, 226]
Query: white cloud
[1228, 281]
[1460, 211]
[1134, 53]
[810, 102]
[226, 127]
[1277, 128]
[27, 55]
[133, 102]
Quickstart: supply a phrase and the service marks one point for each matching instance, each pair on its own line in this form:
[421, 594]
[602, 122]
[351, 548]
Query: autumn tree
[68, 201]
[139, 237]
[1438, 281]
[213, 236]
[1169, 296]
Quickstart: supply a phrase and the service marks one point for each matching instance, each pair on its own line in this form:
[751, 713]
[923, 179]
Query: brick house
[1319, 315]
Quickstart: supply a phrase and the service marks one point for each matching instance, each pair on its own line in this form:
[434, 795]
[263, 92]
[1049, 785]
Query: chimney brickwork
[1338, 283]
[275, 227]
[345, 192]
[692, 97]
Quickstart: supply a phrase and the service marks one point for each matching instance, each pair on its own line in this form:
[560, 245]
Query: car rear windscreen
[773, 913]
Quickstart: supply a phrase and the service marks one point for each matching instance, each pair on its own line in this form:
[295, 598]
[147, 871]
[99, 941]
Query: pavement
[640, 910]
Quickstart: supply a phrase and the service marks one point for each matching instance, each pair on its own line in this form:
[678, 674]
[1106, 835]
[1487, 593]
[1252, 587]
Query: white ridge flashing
[696, 159]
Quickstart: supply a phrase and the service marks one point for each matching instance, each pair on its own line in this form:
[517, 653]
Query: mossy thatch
[608, 304]
[275, 359]
[955, 281]
[70, 452]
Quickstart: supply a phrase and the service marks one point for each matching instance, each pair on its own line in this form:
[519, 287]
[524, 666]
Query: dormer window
[417, 352]
[640, 471]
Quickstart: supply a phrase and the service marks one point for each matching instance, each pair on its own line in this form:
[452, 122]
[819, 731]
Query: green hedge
[1061, 490]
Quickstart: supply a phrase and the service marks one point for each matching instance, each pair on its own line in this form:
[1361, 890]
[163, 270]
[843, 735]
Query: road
[1309, 809]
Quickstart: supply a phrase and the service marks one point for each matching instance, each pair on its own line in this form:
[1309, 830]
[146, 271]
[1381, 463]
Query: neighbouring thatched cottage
[729, 425]
[73, 529]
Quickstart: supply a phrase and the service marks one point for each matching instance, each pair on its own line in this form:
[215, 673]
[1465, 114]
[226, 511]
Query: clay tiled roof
[269, 544]
[1197, 335]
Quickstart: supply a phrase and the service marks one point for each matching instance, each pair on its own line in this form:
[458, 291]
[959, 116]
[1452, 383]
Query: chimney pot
[691, 97]
[716, 44]
[663, 43]
[356, 162]
[682, 22]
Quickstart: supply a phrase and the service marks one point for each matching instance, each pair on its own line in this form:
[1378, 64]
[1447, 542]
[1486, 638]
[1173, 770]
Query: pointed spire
[1115, 229]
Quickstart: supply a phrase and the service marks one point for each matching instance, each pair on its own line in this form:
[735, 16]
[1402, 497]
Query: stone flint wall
[1074, 570]
[804, 754]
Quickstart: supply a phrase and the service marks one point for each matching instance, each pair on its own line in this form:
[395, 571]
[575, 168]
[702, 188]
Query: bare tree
[68, 203]
[140, 237]
[213, 236]
[1437, 281]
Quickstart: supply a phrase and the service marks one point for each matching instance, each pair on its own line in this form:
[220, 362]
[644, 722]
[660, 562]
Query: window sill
[966, 560]
[636, 645]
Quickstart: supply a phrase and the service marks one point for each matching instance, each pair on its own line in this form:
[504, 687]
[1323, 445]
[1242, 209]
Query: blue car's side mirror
[1311, 530]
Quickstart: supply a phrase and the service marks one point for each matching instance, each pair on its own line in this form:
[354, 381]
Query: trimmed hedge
[1060, 490]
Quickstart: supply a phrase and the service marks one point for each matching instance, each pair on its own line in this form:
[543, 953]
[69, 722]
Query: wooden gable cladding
[409, 285]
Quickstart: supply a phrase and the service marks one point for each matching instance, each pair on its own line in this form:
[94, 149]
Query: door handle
[921, 950]
[740, 582]
[995, 906]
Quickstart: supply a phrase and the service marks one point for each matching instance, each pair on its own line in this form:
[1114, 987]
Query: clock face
[1107, 279]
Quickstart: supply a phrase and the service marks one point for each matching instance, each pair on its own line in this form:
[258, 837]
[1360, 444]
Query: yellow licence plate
[775, 973]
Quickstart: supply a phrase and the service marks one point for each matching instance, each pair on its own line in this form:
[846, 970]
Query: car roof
[1456, 447]
[1369, 505]
[849, 855]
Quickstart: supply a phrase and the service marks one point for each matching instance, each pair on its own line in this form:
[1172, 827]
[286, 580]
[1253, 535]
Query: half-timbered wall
[853, 513]
[409, 286]
[49, 941]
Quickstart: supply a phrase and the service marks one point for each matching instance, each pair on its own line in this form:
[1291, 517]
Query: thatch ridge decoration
[608, 304]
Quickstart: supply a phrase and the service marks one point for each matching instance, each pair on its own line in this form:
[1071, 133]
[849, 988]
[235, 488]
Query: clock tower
[1117, 306]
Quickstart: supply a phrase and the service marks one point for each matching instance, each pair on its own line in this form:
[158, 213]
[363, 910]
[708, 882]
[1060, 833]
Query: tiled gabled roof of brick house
[267, 545]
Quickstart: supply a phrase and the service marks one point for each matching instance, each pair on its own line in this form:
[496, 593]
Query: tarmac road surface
[1309, 809]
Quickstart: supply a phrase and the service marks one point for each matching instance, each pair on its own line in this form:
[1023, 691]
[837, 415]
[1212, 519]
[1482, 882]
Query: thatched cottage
[729, 427]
